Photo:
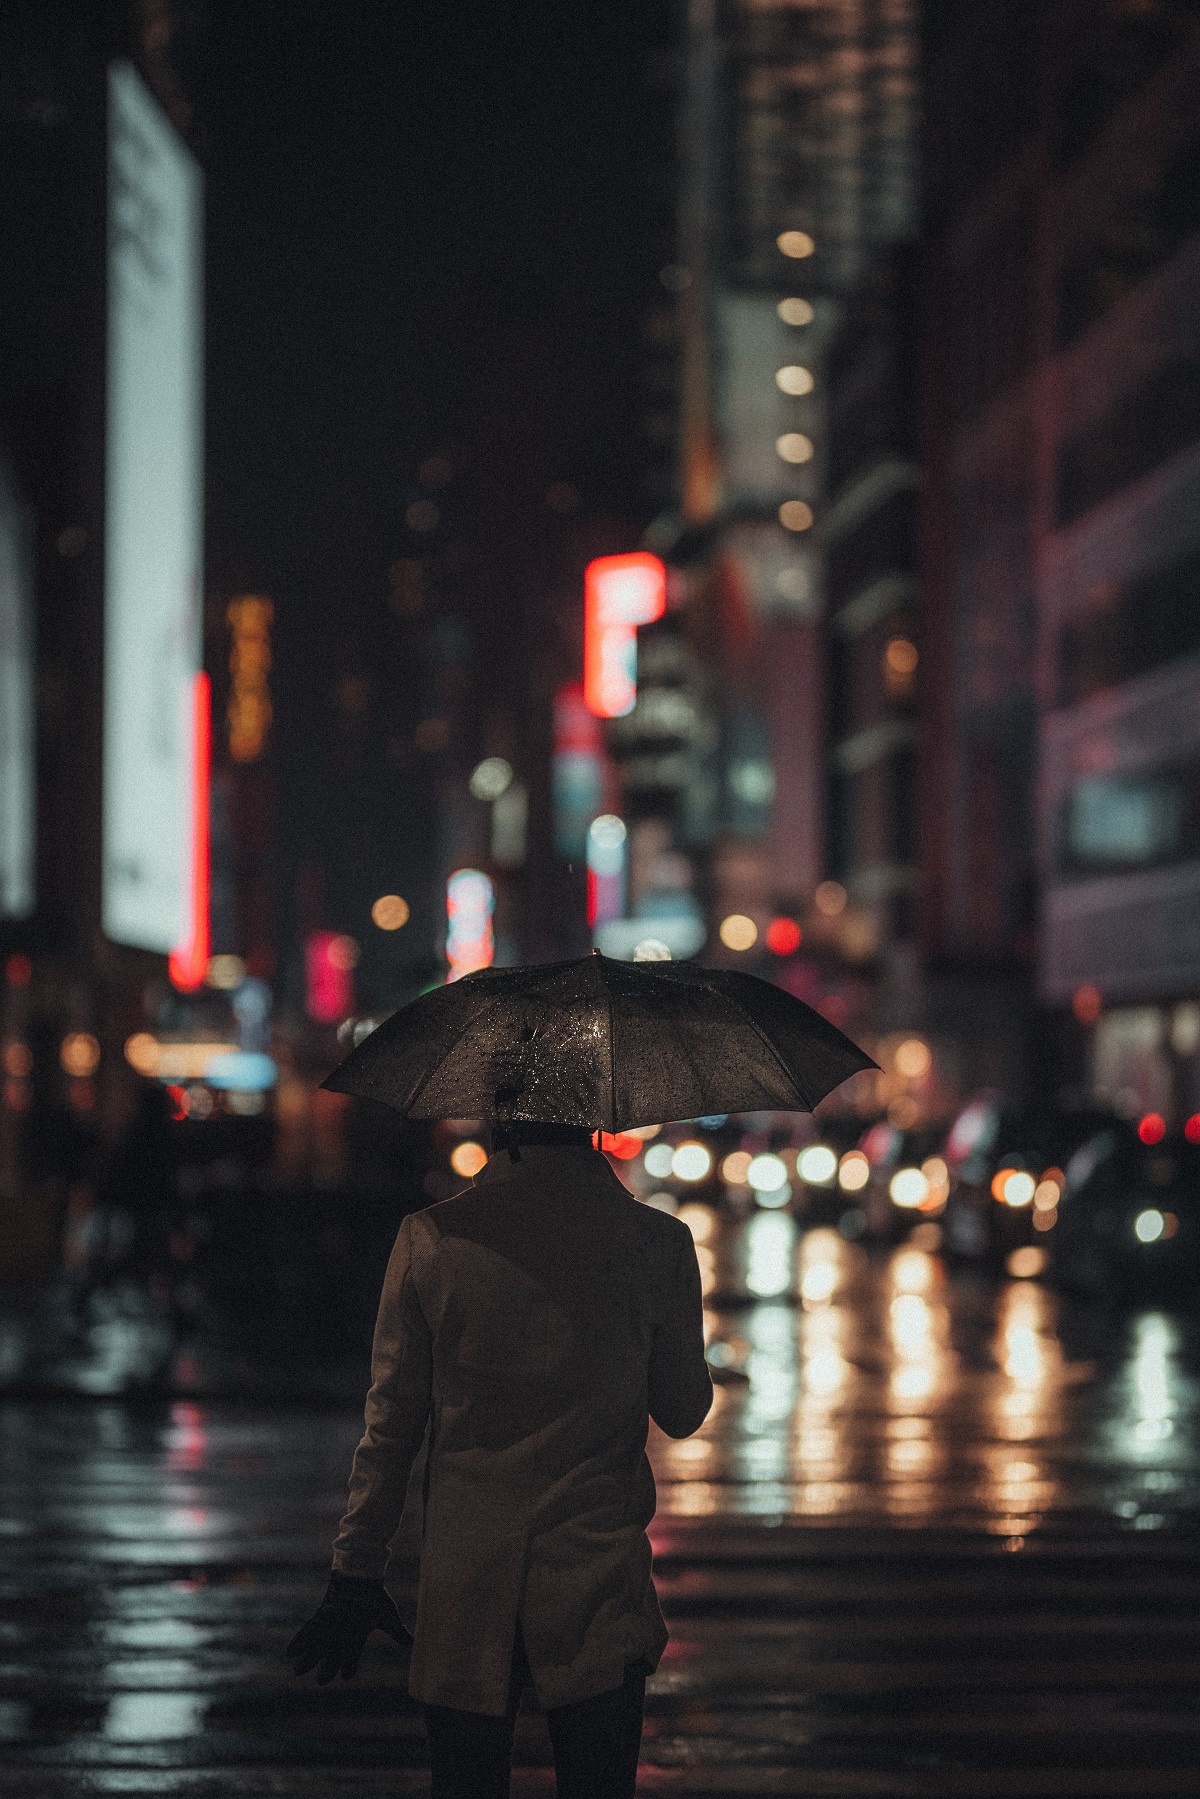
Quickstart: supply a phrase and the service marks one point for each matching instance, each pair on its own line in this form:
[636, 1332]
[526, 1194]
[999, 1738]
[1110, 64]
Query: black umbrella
[601, 1043]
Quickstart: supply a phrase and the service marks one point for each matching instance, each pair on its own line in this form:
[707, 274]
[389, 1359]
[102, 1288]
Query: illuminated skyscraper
[797, 150]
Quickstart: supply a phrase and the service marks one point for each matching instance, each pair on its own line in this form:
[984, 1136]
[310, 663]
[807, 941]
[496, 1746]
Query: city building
[794, 176]
[1061, 538]
[102, 441]
[869, 533]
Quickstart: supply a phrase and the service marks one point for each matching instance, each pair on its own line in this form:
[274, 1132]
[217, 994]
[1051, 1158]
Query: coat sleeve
[397, 1409]
[680, 1390]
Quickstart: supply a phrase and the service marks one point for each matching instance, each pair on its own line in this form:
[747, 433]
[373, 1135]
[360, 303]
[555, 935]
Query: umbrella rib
[612, 1066]
[429, 1073]
[781, 1064]
[763, 1038]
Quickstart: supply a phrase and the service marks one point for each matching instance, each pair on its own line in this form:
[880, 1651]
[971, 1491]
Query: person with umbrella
[528, 1330]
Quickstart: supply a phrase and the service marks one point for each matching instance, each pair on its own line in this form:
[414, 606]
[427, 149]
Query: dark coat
[536, 1322]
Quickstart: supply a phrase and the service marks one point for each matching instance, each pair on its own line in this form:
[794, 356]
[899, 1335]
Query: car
[1129, 1223]
[1006, 1166]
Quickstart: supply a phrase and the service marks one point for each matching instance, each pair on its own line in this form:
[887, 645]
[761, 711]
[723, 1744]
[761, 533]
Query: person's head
[525, 1133]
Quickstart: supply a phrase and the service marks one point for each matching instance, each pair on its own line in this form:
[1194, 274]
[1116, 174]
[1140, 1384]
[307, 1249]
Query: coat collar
[558, 1159]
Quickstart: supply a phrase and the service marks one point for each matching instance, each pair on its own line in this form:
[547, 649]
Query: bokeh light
[783, 936]
[390, 912]
[796, 311]
[491, 778]
[657, 1160]
[468, 1159]
[1018, 1188]
[141, 1053]
[622, 1144]
[908, 1188]
[736, 1167]
[854, 1171]
[225, 972]
[817, 1164]
[18, 1060]
[766, 1173]
[794, 447]
[691, 1162]
[795, 515]
[913, 1059]
[794, 379]
[737, 932]
[830, 899]
[79, 1054]
[796, 244]
[1086, 1003]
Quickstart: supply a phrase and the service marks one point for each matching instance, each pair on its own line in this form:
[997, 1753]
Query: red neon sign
[329, 960]
[188, 962]
[619, 594]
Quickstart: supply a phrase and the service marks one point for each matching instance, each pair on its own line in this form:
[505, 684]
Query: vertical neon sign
[329, 960]
[189, 960]
[619, 594]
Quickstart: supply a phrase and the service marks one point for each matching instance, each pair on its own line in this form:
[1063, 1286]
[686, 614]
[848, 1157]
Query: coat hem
[603, 1678]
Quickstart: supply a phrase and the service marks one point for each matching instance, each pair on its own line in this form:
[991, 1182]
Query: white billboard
[153, 517]
[16, 706]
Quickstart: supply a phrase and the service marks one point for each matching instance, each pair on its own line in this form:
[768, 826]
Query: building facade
[795, 172]
[1061, 530]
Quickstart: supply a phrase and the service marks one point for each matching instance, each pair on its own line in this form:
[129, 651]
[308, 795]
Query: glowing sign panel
[606, 869]
[470, 902]
[249, 711]
[620, 593]
[153, 520]
[16, 708]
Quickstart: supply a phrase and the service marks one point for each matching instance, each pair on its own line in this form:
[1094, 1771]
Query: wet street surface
[937, 1537]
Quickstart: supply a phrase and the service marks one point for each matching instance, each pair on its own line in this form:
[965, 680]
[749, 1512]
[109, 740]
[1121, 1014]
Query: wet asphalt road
[938, 1537]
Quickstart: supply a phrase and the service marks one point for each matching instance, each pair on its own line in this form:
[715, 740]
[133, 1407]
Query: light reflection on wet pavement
[893, 1394]
[937, 1537]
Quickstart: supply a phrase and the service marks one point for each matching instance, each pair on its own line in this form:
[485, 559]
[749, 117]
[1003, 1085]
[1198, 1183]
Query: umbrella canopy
[600, 1043]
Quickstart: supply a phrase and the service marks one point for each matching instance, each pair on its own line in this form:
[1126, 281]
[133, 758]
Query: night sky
[431, 230]
[394, 194]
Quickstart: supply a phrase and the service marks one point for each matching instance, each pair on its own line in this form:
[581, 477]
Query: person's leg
[596, 1741]
[470, 1754]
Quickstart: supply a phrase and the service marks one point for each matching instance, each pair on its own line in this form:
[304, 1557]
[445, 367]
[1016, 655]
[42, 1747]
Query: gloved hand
[333, 1639]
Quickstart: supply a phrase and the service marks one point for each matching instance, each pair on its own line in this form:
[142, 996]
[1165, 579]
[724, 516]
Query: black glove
[332, 1641]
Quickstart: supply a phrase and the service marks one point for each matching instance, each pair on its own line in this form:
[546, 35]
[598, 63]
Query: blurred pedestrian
[529, 1328]
[138, 1196]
